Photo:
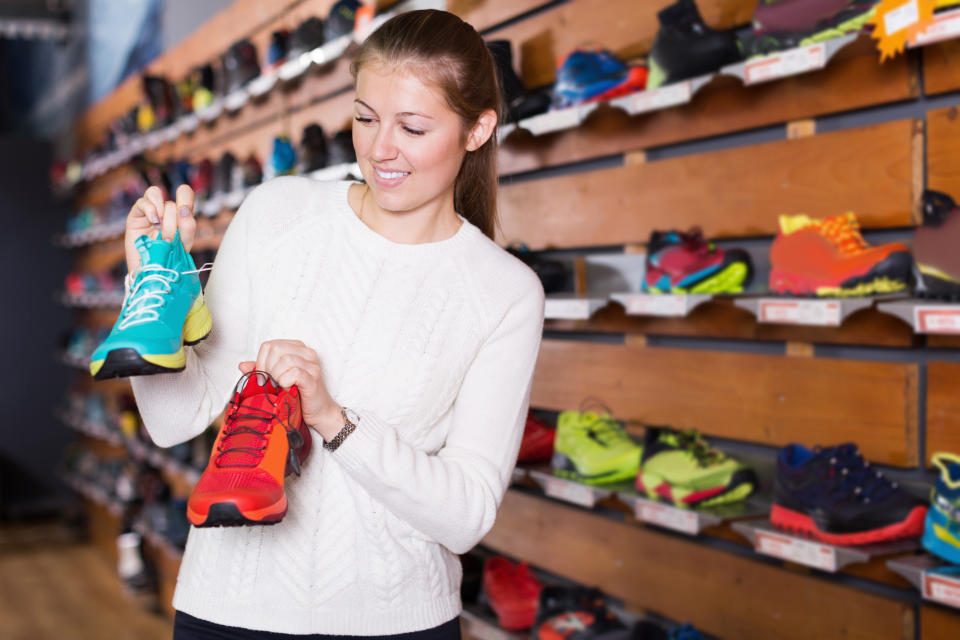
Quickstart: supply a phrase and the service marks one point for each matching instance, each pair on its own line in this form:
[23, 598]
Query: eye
[412, 131]
[363, 119]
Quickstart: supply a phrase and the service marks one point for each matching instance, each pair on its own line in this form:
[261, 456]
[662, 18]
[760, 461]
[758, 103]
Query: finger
[186, 222]
[185, 197]
[145, 208]
[293, 376]
[154, 194]
[247, 366]
[263, 355]
[168, 225]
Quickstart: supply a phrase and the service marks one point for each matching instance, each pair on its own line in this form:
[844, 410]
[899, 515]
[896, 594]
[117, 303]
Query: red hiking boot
[263, 440]
[537, 443]
[512, 592]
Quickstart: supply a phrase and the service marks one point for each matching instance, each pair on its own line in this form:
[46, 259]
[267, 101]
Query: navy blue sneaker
[942, 533]
[586, 76]
[837, 497]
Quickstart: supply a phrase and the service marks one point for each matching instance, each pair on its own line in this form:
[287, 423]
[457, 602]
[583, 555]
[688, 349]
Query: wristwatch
[350, 420]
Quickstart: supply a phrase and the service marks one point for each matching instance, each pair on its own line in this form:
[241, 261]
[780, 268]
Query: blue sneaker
[941, 535]
[163, 311]
[585, 76]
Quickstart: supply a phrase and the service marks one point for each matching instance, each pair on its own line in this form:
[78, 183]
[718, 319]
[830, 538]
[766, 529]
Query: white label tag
[945, 26]
[810, 554]
[668, 96]
[570, 491]
[901, 17]
[554, 121]
[808, 312]
[566, 309]
[942, 588]
[666, 516]
[788, 63]
[656, 305]
[937, 319]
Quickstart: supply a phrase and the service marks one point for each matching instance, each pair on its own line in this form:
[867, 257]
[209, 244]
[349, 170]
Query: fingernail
[154, 218]
[184, 211]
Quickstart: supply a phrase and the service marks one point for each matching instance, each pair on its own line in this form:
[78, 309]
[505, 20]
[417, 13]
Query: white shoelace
[143, 304]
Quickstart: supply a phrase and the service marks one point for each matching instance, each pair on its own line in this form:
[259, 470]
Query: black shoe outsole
[124, 363]
[226, 514]
[937, 288]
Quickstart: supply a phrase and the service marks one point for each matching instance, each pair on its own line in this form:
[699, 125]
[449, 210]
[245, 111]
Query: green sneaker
[163, 311]
[681, 468]
[594, 448]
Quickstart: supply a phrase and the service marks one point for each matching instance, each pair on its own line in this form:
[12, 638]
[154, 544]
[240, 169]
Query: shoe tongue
[155, 252]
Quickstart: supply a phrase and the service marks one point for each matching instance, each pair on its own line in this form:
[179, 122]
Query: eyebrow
[402, 113]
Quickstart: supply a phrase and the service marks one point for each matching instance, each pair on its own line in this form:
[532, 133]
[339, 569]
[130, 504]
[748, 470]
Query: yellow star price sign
[896, 20]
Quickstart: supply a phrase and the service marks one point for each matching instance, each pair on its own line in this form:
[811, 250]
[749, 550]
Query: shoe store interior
[744, 418]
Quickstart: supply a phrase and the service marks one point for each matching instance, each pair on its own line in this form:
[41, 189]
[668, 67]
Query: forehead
[390, 88]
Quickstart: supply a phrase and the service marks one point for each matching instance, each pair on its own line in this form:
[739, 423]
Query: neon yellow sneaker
[681, 468]
[594, 448]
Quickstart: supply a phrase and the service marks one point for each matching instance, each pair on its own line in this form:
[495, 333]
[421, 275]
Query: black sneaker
[240, 65]
[518, 103]
[306, 37]
[208, 86]
[685, 47]
[223, 176]
[837, 497]
[313, 149]
[554, 275]
[252, 171]
[341, 149]
[341, 20]
[277, 51]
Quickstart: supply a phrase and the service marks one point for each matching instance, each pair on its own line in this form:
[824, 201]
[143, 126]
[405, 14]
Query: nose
[384, 147]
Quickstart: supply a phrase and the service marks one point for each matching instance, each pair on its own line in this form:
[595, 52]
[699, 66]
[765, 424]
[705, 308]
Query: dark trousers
[186, 627]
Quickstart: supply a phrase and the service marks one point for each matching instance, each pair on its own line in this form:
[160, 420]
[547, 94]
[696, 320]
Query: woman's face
[409, 143]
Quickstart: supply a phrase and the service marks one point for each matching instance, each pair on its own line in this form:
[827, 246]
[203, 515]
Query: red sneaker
[512, 592]
[263, 440]
[537, 443]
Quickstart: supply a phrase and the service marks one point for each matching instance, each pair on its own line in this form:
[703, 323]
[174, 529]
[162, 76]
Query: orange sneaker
[263, 440]
[830, 258]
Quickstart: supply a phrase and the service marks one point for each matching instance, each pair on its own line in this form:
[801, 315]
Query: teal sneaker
[163, 311]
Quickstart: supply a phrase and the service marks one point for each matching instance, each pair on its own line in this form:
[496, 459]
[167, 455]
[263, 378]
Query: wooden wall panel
[943, 408]
[768, 399]
[939, 624]
[943, 150]
[940, 67]
[721, 593]
[720, 318]
[625, 27]
[853, 79]
[734, 192]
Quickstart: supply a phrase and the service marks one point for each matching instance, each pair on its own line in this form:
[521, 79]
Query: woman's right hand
[153, 217]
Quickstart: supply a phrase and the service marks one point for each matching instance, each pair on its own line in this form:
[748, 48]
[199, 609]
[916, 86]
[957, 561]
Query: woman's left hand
[291, 362]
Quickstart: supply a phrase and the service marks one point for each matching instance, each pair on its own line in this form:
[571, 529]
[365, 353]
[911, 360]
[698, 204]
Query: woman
[388, 299]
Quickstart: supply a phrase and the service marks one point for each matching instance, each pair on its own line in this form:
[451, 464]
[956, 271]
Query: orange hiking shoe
[830, 258]
[263, 440]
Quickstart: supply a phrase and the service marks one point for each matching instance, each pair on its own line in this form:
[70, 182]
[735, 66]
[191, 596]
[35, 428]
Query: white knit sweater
[433, 345]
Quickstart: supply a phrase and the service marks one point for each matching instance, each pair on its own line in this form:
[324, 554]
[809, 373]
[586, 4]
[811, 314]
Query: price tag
[566, 309]
[901, 17]
[811, 554]
[656, 305]
[668, 96]
[944, 27]
[570, 491]
[942, 587]
[557, 120]
[681, 520]
[809, 312]
[937, 319]
[785, 64]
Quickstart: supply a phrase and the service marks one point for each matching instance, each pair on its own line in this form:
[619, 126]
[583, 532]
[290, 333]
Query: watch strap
[348, 427]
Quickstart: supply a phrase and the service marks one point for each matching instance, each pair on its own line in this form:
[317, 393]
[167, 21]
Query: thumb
[247, 366]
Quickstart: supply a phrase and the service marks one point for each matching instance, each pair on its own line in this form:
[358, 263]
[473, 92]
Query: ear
[485, 126]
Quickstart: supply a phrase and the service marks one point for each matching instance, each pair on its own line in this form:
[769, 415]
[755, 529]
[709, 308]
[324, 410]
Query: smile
[391, 175]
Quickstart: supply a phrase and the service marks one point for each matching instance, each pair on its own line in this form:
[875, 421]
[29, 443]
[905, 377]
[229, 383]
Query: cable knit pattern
[433, 345]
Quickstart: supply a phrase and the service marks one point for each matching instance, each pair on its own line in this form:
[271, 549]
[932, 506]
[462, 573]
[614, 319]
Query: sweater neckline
[374, 241]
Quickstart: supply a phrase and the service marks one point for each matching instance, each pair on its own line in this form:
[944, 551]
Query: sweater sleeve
[176, 407]
[452, 497]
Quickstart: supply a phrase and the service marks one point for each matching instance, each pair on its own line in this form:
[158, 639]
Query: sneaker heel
[198, 324]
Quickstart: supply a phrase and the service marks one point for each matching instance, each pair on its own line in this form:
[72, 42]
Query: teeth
[391, 175]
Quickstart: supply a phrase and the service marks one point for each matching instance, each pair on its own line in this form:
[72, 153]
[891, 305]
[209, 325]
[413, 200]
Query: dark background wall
[32, 441]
